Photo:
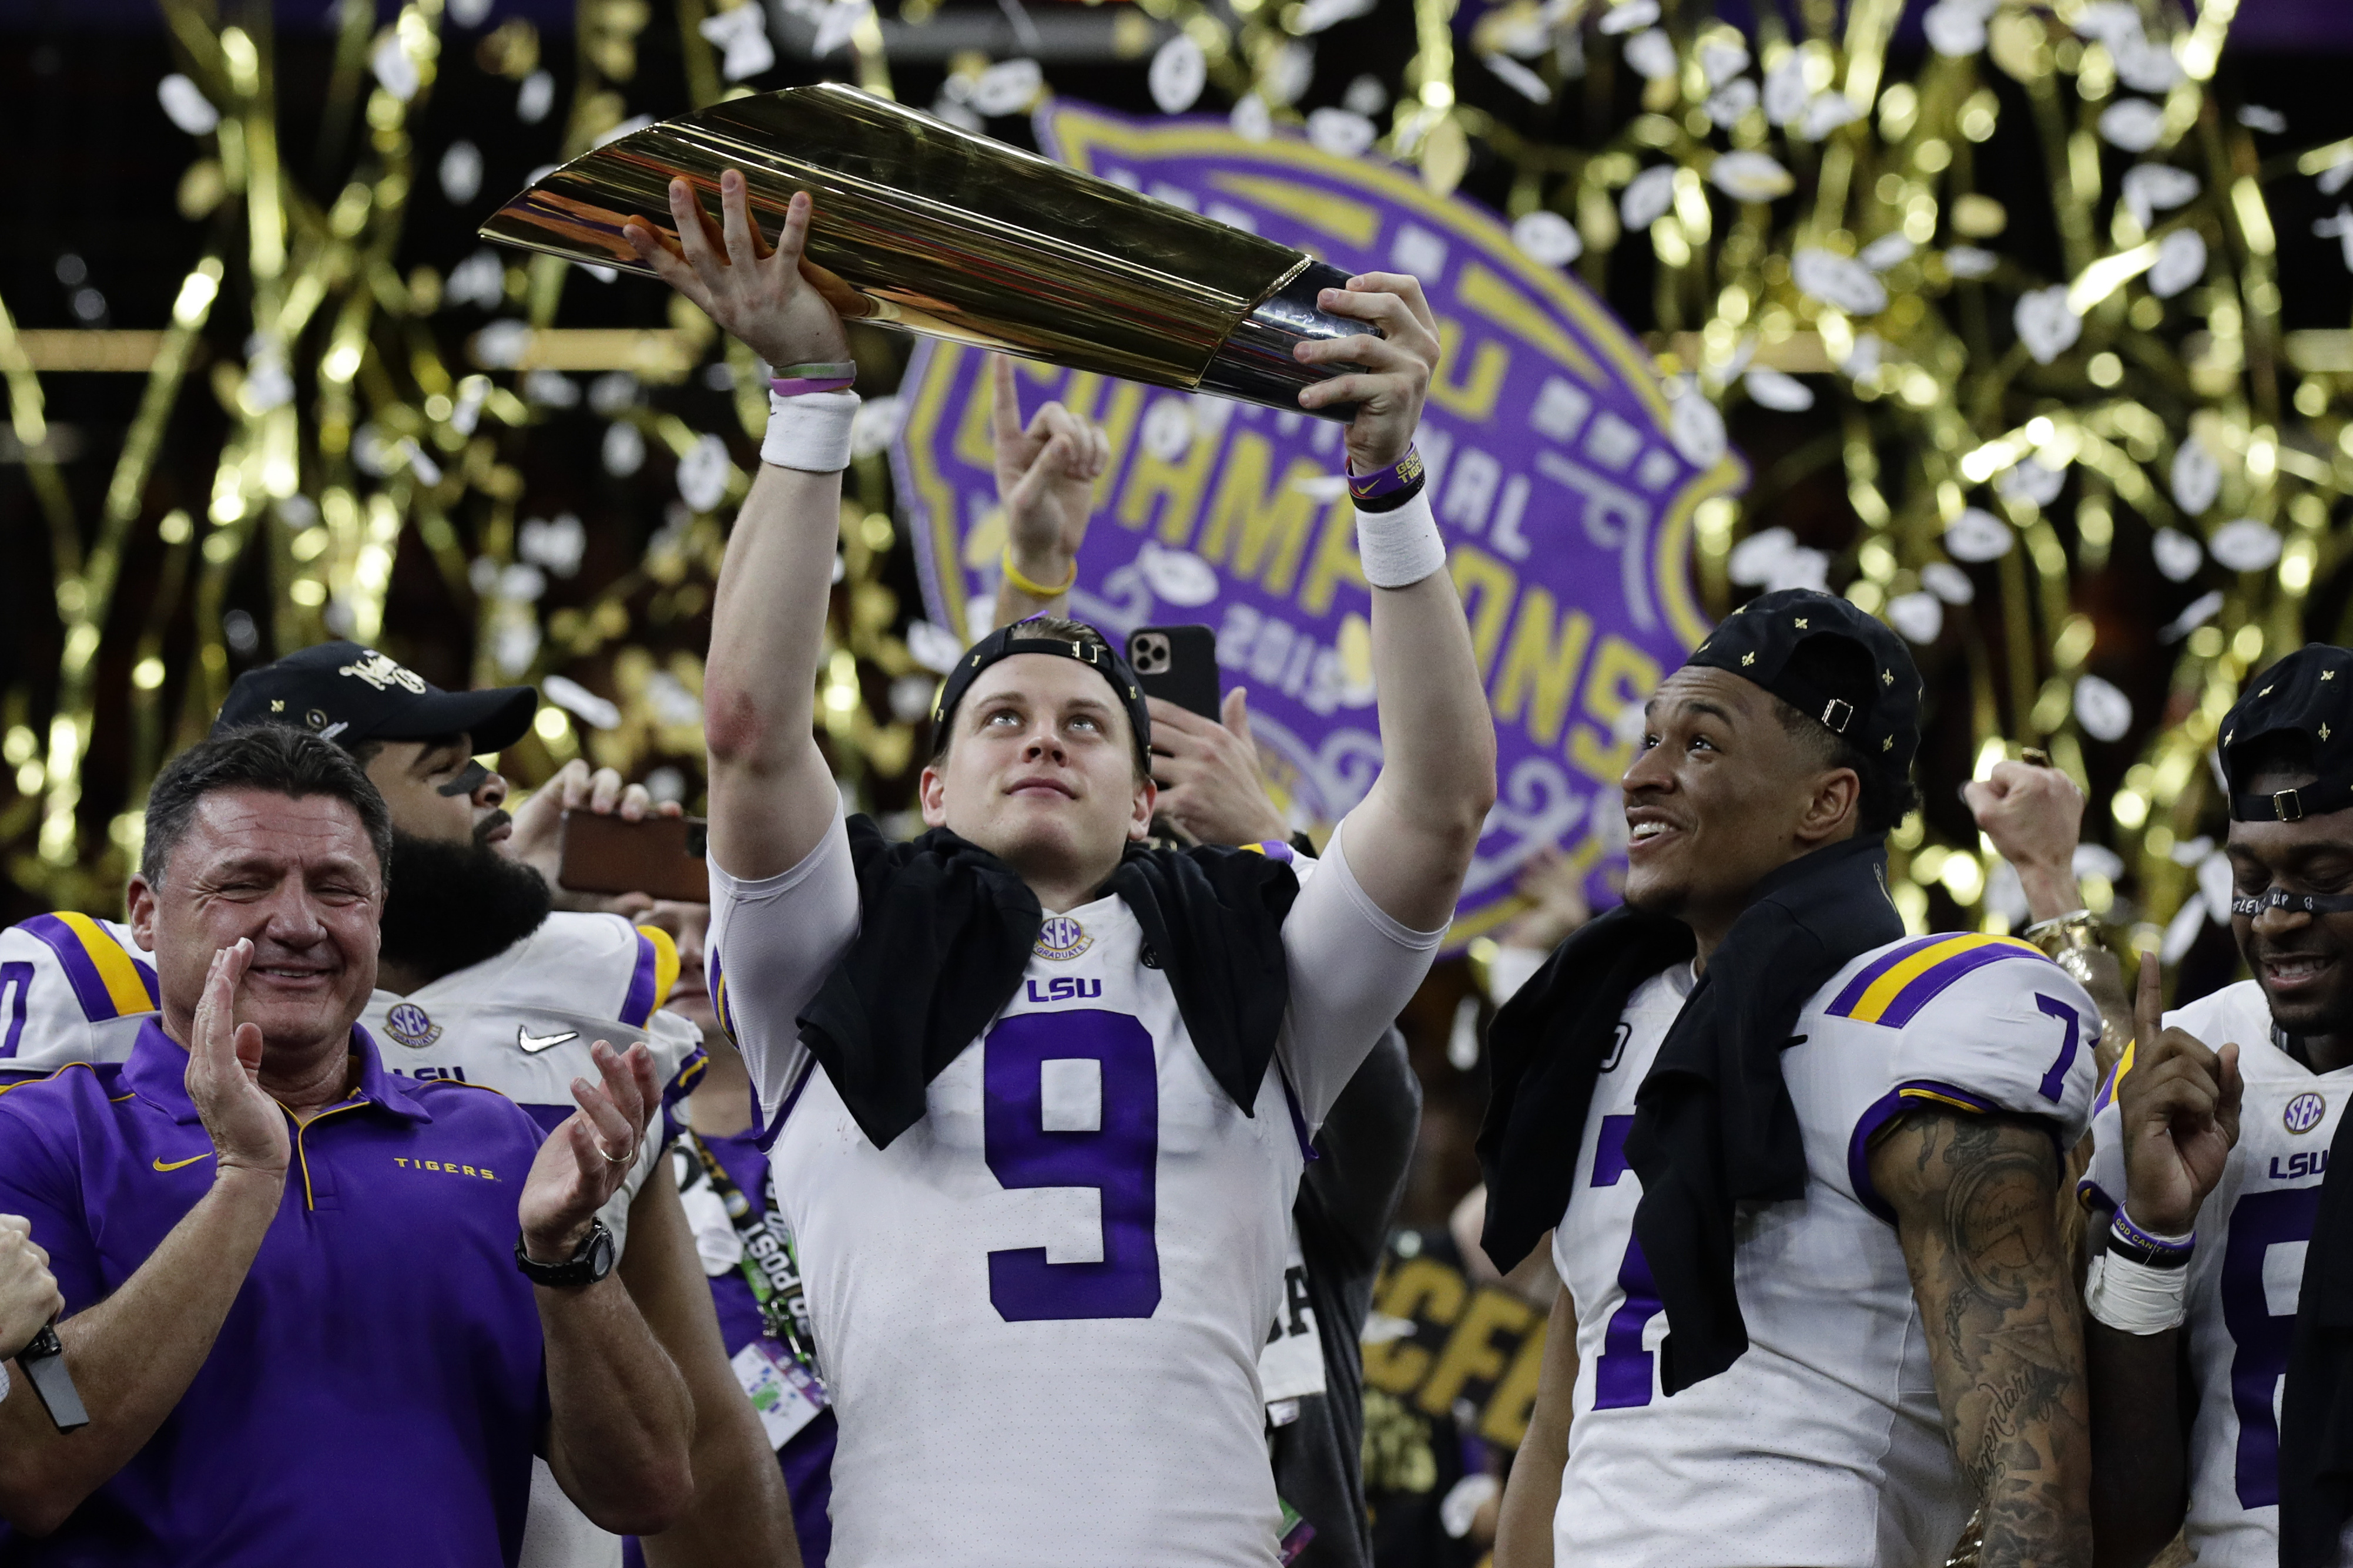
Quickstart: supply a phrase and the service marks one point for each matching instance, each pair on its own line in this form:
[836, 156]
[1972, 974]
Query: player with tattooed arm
[1035, 1094]
[1805, 1170]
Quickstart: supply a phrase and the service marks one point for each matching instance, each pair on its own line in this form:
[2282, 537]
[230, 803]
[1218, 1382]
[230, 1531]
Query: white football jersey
[1040, 1312]
[72, 989]
[1823, 1444]
[521, 1023]
[2248, 1271]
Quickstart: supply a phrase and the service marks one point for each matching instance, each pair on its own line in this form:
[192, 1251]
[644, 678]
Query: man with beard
[1827, 1154]
[480, 982]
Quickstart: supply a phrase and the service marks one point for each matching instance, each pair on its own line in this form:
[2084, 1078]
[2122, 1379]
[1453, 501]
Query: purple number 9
[1117, 1157]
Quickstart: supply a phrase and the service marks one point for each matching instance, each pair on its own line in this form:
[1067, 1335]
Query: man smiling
[2210, 1142]
[1823, 1156]
[283, 1266]
[1036, 1094]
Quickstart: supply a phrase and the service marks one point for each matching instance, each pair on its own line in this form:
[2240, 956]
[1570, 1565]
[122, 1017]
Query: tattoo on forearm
[1996, 1290]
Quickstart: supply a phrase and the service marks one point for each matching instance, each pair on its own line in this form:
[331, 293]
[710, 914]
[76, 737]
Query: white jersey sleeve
[2011, 1034]
[72, 989]
[772, 941]
[1352, 970]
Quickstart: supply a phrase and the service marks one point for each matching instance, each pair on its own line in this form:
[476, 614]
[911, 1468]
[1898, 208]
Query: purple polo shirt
[377, 1389]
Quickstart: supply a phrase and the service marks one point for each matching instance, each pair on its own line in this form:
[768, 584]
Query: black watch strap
[589, 1262]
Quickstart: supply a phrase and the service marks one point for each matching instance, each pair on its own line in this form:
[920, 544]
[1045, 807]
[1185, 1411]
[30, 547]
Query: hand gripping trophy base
[954, 234]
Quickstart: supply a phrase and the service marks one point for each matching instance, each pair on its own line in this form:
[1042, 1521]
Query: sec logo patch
[2304, 1112]
[408, 1024]
[1063, 938]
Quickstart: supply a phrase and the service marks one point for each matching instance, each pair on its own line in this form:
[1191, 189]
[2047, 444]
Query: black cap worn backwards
[348, 694]
[1095, 653]
[1878, 715]
[2308, 693]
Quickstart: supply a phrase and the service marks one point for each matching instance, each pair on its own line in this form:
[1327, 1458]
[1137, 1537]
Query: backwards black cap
[1880, 716]
[2308, 693]
[348, 694]
[1095, 652]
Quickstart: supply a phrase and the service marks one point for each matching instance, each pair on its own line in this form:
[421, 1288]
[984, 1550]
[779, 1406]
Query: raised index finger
[2148, 1005]
[1006, 416]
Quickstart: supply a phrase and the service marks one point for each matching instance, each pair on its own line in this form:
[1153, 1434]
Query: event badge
[780, 1388]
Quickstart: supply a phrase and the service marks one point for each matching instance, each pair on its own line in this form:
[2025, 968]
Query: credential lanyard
[770, 1264]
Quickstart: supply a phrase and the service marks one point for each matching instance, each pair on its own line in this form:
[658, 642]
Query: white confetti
[1774, 389]
[1826, 113]
[1547, 238]
[469, 13]
[2341, 227]
[1646, 197]
[1862, 360]
[2245, 545]
[2216, 883]
[1838, 280]
[1978, 536]
[1722, 59]
[1316, 16]
[1698, 429]
[1888, 250]
[2046, 323]
[1339, 132]
[462, 172]
[742, 34]
[1169, 430]
[2178, 555]
[185, 105]
[558, 545]
[1948, 583]
[2195, 614]
[1287, 74]
[2152, 188]
[1517, 77]
[2107, 21]
[1179, 71]
[1652, 55]
[1919, 617]
[535, 98]
[2197, 477]
[1629, 15]
[2132, 123]
[1784, 89]
[1954, 31]
[2182, 931]
[1008, 87]
[1750, 177]
[2144, 66]
[1756, 559]
[875, 424]
[934, 646]
[1251, 119]
[1969, 261]
[393, 68]
[702, 474]
[2104, 713]
[623, 449]
[2270, 121]
[1178, 576]
[1728, 103]
[501, 344]
[551, 389]
[2180, 261]
[2032, 480]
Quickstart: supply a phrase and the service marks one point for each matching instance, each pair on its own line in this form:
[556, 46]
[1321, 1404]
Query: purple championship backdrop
[1560, 482]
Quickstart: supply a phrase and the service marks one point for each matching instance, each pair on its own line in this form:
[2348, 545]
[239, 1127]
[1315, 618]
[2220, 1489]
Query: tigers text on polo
[376, 1389]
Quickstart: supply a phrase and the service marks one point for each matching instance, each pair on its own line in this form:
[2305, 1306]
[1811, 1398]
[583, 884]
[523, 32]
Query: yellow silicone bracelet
[1036, 590]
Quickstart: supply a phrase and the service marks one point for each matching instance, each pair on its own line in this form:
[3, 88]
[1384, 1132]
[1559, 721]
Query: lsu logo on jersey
[2304, 1112]
[1063, 988]
[1062, 939]
[408, 1024]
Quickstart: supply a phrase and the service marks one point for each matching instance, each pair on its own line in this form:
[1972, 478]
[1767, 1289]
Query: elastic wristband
[810, 432]
[1406, 473]
[1399, 547]
[2148, 1249]
[817, 375]
[2134, 1298]
[1032, 587]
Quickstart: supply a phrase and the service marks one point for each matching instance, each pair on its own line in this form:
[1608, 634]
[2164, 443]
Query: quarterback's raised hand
[2179, 1104]
[1046, 474]
[1397, 364]
[784, 308]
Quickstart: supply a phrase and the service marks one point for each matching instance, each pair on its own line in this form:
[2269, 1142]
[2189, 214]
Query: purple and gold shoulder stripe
[1273, 849]
[1892, 988]
[656, 973]
[107, 980]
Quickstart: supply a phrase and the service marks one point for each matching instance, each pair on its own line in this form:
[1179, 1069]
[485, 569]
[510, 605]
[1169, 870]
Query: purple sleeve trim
[1932, 983]
[1905, 1098]
[1870, 973]
[791, 1098]
[639, 1005]
[88, 986]
[1298, 1123]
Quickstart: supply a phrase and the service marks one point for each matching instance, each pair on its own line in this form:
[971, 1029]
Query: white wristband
[1399, 548]
[2134, 1298]
[810, 432]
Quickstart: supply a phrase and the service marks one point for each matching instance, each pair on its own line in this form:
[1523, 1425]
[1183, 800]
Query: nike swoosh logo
[189, 1161]
[533, 1043]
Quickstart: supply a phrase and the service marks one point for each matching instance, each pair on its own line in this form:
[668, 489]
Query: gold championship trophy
[945, 232]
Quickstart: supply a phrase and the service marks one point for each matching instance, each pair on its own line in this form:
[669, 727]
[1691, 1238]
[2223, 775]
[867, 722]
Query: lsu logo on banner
[1555, 469]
